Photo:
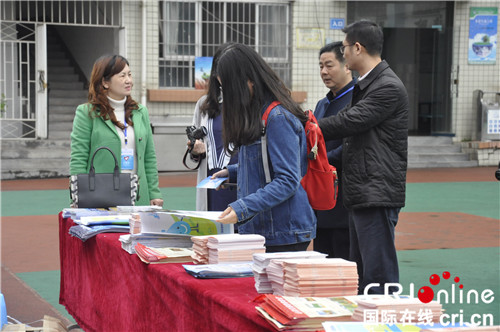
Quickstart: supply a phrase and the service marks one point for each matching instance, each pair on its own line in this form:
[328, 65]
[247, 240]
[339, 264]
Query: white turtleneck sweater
[119, 107]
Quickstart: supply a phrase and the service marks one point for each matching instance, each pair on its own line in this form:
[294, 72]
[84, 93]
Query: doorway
[418, 47]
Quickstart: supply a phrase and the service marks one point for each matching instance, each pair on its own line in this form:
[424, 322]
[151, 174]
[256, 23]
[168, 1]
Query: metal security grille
[102, 13]
[195, 29]
[23, 104]
[17, 81]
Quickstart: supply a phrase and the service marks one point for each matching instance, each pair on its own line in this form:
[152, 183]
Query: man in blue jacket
[332, 235]
[374, 155]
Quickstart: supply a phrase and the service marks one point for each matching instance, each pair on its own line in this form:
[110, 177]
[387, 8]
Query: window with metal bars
[195, 29]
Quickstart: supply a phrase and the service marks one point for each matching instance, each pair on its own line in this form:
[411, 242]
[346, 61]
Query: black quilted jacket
[375, 141]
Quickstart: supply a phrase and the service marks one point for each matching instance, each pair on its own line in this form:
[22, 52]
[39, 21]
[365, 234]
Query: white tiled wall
[305, 70]
[470, 76]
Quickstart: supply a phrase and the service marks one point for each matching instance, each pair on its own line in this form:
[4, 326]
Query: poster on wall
[483, 34]
[310, 38]
[202, 68]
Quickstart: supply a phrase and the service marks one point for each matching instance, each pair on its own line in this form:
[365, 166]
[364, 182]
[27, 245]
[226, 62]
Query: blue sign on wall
[483, 35]
[337, 23]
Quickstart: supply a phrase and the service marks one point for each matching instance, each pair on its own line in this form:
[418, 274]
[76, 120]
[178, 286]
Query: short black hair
[367, 33]
[334, 48]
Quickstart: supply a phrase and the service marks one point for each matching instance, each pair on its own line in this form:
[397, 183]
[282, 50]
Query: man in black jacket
[375, 144]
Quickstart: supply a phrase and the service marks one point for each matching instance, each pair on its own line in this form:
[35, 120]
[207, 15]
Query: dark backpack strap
[265, 158]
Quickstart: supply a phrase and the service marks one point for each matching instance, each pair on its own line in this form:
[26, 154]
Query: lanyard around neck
[125, 129]
[343, 93]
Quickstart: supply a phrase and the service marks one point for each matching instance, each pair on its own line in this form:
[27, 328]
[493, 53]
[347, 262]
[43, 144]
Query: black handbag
[103, 190]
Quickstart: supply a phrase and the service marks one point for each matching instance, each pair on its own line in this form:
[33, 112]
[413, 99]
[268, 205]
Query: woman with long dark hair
[113, 119]
[210, 151]
[278, 210]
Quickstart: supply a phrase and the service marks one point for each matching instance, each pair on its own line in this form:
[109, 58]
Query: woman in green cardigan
[113, 119]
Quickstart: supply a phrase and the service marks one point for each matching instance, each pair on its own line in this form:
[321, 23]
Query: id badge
[127, 159]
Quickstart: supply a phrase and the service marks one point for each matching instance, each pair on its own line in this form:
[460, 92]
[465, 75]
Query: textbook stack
[329, 277]
[234, 247]
[261, 261]
[91, 222]
[396, 307]
[89, 226]
[304, 314]
[200, 249]
[275, 276]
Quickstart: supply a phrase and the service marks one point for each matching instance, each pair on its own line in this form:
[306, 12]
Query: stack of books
[76, 213]
[135, 223]
[275, 276]
[261, 261]
[200, 249]
[329, 277]
[400, 308]
[163, 255]
[90, 222]
[234, 247]
[304, 313]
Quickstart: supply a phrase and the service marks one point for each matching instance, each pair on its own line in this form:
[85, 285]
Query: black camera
[194, 133]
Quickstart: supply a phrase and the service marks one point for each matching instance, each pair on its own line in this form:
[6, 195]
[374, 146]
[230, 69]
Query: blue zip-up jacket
[330, 106]
[279, 210]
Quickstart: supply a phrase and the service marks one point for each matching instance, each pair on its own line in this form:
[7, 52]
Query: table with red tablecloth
[105, 288]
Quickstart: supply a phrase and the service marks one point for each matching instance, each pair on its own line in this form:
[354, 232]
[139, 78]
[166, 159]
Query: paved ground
[450, 222]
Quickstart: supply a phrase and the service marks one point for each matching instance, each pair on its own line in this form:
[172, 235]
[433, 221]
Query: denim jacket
[279, 210]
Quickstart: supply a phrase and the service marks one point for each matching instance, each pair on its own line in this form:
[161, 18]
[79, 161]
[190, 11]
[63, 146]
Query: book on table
[200, 249]
[234, 247]
[86, 232]
[129, 241]
[215, 271]
[303, 313]
[262, 260]
[329, 277]
[397, 306]
[163, 255]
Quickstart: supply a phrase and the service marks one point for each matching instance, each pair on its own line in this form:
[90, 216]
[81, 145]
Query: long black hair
[212, 104]
[248, 84]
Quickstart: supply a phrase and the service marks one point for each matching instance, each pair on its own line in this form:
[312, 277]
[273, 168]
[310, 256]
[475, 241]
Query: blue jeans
[372, 247]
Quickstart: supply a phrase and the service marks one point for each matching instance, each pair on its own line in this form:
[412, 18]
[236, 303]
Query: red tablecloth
[106, 289]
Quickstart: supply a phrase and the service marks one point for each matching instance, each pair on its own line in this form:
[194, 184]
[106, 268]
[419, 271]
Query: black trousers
[332, 241]
[372, 246]
[302, 246]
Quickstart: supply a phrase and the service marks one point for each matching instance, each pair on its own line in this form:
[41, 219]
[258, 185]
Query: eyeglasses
[342, 48]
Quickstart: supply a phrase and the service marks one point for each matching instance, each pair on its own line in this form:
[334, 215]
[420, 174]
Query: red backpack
[320, 181]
